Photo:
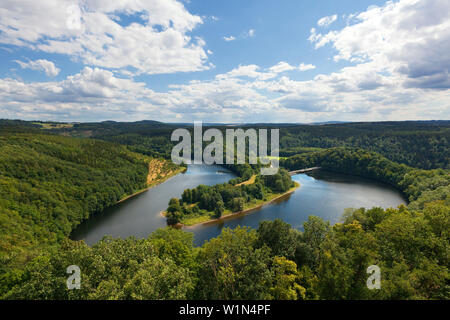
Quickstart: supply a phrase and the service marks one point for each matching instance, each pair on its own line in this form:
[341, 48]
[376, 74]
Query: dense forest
[424, 145]
[272, 262]
[50, 183]
[420, 144]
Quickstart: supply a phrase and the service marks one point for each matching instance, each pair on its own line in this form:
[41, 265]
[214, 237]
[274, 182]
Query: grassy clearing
[50, 125]
[271, 158]
[249, 181]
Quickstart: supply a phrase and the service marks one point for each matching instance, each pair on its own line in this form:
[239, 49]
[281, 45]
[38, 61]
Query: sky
[224, 61]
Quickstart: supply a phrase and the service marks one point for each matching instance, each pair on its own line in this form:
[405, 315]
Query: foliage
[420, 144]
[112, 269]
[214, 200]
[411, 250]
[49, 184]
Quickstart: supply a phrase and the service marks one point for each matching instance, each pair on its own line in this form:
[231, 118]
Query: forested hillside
[49, 184]
[423, 145]
[420, 144]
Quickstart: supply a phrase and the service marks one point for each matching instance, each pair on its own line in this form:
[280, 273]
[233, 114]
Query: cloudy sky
[224, 61]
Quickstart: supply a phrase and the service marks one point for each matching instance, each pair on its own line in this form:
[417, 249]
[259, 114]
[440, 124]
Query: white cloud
[409, 39]
[306, 67]
[91, 32]
[321, 39]
[281, 67]
[284, 66]
[98, 83]
[93, 94]
[230, 38]
[90, 85]
[398, 70]
[250, 71]
[326, 21]
[40, 65]
[244, 94]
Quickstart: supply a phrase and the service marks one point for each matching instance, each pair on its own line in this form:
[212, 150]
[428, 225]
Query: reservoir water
[321, 193]
[140, 215]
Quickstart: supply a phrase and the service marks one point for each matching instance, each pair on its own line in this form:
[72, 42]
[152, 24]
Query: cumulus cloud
[90, 84]
[98, 83]
[40, 65]
[397, 69]
[158, 42]
[409, 39]
[92, 94]
[326, 21]
[245, 93]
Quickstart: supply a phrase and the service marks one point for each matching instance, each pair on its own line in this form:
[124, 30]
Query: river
[321, 193]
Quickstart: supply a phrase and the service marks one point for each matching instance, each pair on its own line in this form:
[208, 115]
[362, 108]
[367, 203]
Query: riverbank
[155, 183]
[248, 207]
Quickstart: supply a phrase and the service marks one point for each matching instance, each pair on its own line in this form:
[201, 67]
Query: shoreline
[238, 213]
[154, 184]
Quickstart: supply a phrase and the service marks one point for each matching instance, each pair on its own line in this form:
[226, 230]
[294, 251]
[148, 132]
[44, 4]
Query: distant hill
[421, 144]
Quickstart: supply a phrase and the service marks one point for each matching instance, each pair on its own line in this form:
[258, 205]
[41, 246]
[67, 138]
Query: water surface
[140, 215]
[321, 193]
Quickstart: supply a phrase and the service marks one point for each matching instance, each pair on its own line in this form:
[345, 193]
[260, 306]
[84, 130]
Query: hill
[49, 184]
[419, 144]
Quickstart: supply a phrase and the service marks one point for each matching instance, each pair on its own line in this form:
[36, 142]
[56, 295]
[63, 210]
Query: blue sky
[281, 31]
[225, 61]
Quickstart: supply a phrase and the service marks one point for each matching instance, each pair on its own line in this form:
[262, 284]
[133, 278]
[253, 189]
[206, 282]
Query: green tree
[232, 268]
[286, 280]
[278, 236]
[220, 208]
[159, 280]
